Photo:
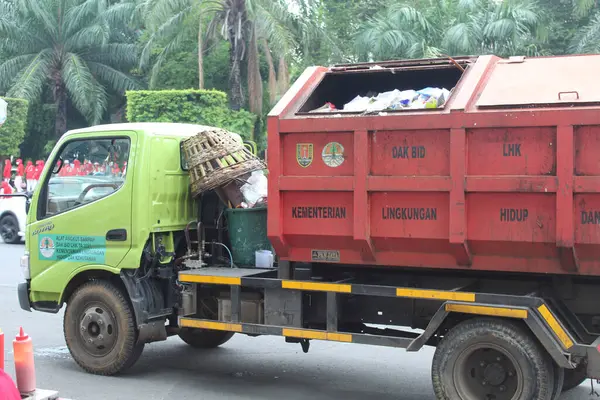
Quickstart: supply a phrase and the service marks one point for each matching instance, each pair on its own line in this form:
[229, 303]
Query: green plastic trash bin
[247, 233]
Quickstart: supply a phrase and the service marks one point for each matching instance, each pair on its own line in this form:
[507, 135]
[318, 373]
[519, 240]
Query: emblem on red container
[333, 154]
[304, 154]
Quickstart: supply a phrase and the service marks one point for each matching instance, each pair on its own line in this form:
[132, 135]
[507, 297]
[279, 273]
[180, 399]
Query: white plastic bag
[358, 104]
[384, 100]
[255, 189]
[404, 99]
[3, 111]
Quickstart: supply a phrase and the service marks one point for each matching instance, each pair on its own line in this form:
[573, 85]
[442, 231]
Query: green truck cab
[90, 234]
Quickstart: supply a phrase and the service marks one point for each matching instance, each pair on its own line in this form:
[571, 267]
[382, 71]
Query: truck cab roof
[149, 128]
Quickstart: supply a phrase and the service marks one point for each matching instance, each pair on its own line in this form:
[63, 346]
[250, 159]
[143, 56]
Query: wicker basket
[215, 158]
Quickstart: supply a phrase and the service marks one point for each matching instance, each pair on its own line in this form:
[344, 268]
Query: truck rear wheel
[575, 377]
[99, 328]
[204, 339]
[491, 359]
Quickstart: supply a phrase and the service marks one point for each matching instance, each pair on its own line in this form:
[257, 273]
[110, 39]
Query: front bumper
[23, 293]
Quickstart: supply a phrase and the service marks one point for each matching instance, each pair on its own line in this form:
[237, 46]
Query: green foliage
[40, 131]
[80, 49]
[180, 70]
[203, 107]
[13, 130]
[430, 28]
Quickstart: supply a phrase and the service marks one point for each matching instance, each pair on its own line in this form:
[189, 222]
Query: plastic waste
[358, 104]
[263, 258]
[327, 107]
[404, 99]
[255, 189]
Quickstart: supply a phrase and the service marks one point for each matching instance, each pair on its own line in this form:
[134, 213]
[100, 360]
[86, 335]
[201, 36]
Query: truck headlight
[25, 265]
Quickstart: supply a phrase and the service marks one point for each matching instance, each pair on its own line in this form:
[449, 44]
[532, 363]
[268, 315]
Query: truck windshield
[86, 170]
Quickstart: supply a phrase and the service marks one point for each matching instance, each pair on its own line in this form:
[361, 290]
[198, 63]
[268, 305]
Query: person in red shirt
[115, 169]
[19, 176]
[29, 172]
[88, 167]
[6, 188]
[76, 170]
[37, 173]
[7, 170]
[8, 389]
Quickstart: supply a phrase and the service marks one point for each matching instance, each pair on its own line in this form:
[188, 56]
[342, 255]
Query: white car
[13, 217]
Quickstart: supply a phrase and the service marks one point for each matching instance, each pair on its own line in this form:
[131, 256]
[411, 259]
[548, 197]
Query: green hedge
[204, 107]
[13, 131]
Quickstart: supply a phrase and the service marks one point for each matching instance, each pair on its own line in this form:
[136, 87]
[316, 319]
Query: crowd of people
[26, 177]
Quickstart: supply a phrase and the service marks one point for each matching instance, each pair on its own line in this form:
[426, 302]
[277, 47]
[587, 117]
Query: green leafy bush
[13, 130]
[204, 107]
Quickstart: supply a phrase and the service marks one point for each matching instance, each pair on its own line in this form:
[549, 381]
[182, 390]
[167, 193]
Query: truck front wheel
[99, 328]
[204, 339]
[491, 359]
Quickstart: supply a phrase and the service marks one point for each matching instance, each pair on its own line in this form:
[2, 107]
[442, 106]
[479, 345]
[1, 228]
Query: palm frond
[79, 15]
[583, 7]
[587, 39]
[11, 67]
[173, 30]
[31, 79]
[44, 13]
[123, 55]
[113, 78]
[80, 85]
[90, 36]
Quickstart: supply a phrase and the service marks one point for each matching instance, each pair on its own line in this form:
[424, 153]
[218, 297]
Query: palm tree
[425, 28]
[587, 37]
[248, 26]
[78, 49]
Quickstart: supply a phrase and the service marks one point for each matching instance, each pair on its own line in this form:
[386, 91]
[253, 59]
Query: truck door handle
[116, 235]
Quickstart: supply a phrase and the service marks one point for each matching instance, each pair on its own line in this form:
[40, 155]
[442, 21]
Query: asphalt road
[245, 368]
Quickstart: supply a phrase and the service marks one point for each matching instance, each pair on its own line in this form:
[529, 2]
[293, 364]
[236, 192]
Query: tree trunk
[255, 88]
[272, 85]
[237, 36]
[60, 100]
[283, 76]
[236, 97]
[200, 54]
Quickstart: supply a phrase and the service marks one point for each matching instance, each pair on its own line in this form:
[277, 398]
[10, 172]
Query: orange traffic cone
[24, 366]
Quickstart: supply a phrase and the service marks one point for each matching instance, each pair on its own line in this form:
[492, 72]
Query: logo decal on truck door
[333, 154]
[304, 154]
[47, 247]
[72, 248]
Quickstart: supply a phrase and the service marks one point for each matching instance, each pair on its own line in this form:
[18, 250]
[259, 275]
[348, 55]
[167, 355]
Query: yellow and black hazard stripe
[533, 310]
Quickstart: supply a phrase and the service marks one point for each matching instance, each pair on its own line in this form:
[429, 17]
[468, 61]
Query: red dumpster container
[504, 177]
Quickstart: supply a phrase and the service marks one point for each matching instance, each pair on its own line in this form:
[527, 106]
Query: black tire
[559, 381]
[98, 311]
[9, 229]
[575, 377]
[204, 339]
[491, 358]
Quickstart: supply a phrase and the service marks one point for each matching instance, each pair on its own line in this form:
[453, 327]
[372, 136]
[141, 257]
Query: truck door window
[85, 171]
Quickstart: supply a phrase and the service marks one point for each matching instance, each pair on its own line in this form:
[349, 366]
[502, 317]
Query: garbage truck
[452, 203]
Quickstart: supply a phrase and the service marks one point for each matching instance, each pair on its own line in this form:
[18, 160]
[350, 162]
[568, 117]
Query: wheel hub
[488, 374]
[495, 374]
[98, 331]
